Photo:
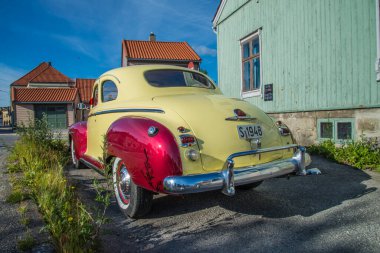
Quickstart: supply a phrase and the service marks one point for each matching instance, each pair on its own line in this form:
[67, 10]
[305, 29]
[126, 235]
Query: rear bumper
[228, 177]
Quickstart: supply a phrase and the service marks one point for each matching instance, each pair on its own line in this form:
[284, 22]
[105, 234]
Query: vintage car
[170, 130]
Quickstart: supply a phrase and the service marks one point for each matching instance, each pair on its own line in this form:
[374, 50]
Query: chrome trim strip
[127, 110]
[240, 118]
[228, 177]
[91, 166]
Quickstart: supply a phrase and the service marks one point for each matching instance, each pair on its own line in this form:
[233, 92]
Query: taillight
[240, 113]
[187, 140]
[283, 129]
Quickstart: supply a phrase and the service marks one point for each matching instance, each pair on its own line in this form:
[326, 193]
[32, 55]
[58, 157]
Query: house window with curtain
[251, 67]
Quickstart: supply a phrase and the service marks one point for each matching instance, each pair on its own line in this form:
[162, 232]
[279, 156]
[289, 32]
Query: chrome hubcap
[124, 184]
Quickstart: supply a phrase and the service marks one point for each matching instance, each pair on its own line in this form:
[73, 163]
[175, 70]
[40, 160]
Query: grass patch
[41, 159]
[15, 196]
[362, 154]
[26, 243]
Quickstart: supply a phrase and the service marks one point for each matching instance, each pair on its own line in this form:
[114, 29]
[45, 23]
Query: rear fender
[149, 159]
[78, 133]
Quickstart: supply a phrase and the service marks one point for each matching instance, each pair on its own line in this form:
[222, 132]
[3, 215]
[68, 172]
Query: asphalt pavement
[338, 211]
[7, 137]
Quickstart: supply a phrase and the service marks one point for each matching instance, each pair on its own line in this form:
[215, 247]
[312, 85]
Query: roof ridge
[157, 41]
[68, 79]
[32, 71]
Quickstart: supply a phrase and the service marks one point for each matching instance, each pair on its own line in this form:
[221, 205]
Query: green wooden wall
[319, 54]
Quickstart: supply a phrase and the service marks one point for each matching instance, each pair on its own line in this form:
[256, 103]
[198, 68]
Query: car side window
[95, 96]
[109, 91]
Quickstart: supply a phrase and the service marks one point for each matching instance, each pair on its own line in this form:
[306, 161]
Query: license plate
[250, 131]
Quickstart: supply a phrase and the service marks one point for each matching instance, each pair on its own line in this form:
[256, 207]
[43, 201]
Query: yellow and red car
[170, 130]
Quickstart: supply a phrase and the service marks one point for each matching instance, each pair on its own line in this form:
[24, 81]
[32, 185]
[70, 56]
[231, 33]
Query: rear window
[177, 78]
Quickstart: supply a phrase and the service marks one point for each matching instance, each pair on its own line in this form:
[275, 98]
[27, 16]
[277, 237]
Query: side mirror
[82, 106]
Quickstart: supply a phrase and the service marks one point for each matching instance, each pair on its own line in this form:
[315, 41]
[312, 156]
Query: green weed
[26, 243]
[41, 159]
[362, 154]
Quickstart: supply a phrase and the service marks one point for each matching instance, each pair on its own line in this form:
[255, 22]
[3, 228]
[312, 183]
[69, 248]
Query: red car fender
[149, 159]
[78, 133]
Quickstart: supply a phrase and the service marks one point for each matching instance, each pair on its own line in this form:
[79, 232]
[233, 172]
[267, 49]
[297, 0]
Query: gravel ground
[338, 211]
[11, 229]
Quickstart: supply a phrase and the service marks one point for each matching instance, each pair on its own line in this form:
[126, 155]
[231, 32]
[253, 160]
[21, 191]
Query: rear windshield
[177, 78]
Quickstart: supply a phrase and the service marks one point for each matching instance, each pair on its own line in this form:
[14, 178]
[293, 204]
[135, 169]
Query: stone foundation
[304, 124]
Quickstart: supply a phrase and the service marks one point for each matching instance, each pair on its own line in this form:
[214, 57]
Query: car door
[101, 115]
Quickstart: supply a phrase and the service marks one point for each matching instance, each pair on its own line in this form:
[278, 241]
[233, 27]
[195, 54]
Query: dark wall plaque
[268, 92]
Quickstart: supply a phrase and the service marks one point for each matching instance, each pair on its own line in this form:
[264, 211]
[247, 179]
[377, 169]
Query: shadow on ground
[280, 209]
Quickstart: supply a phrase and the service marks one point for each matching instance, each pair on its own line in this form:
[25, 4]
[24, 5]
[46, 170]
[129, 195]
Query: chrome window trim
[127, 110]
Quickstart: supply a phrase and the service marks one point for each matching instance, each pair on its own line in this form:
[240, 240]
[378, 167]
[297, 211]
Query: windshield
[177, 78]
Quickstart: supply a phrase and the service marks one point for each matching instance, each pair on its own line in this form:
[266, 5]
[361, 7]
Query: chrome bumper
[226, 179]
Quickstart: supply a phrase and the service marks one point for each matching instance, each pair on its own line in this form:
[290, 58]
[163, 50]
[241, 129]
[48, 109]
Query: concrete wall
[304, 124]
[24, 114]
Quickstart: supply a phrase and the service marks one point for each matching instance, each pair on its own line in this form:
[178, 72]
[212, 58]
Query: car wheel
[76, 162]
[249, 186]
[133, 200]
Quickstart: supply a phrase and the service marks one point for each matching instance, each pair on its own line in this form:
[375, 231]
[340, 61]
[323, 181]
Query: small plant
[26, 243]
[15, 196]
[24, 220]
[362, 154]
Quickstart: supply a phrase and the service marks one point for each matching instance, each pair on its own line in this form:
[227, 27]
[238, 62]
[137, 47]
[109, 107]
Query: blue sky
[82, 38]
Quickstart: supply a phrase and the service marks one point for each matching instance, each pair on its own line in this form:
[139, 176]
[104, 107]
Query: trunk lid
[217, 137]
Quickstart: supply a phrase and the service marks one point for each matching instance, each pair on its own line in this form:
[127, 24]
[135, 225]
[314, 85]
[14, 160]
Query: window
[251, 67]
[336, 129]
[94, 100]
[177, 78]
[109, 91]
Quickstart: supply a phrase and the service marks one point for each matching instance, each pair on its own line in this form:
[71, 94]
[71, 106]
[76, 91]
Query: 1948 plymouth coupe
[170, 130]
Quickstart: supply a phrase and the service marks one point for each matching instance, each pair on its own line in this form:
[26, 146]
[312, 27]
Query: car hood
[217, 137]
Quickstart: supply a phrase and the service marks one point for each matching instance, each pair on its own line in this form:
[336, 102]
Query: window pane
[326, 130]
[344, 130]
[256, 73]
[256, 46]
[95, 97]
[247, 76]
[246, 50]
[177, 78]
[109, 91]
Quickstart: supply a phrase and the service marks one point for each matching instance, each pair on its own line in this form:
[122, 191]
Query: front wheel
[133, 200]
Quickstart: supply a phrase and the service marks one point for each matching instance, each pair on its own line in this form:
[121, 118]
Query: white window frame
[377, 64]
[252, 93]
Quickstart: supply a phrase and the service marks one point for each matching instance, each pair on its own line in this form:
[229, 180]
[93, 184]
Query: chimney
[152, 37]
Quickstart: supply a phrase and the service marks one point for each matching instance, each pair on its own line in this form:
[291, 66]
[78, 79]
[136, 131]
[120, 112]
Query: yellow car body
[179, 138]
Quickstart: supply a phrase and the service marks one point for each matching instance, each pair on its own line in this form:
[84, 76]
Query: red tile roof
[43, 73]
[159, 50]
[45, 94]
[84, 87]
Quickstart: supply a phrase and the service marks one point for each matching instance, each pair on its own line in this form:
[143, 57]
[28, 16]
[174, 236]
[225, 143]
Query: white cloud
[79, 45]
[203, 50]
[7, 76]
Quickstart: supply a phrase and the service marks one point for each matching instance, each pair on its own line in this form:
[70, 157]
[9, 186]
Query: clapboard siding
[25, 114]
[319, 55]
